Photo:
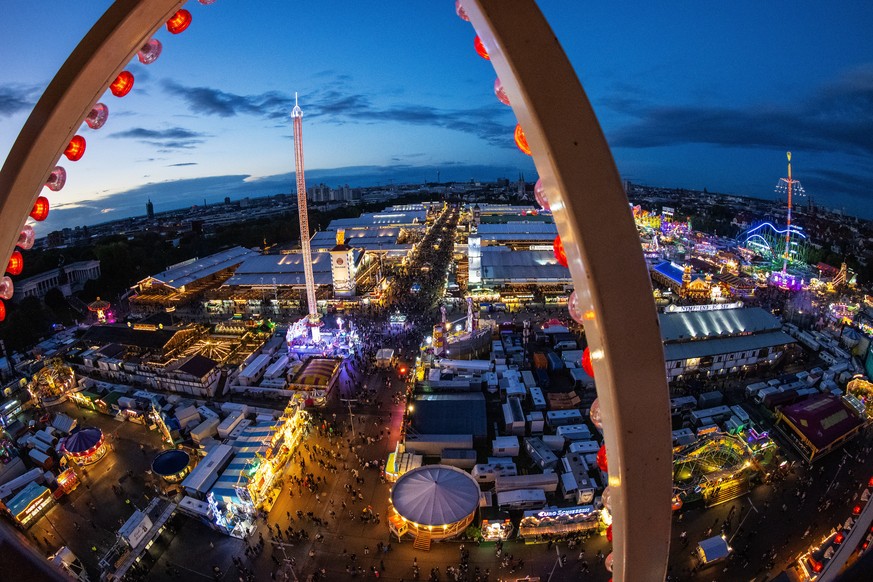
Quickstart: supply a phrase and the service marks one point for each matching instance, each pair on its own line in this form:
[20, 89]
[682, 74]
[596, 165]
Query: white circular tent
[438, 499]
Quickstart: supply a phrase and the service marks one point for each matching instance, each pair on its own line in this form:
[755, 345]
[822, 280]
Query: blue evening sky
[691, 94]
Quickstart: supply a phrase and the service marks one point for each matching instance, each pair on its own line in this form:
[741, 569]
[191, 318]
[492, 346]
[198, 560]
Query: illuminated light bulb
[122, 84]
[540, 195]
[607, 563]
[40, 209]
[150, 52]
[521, 141]
[609, 532]
[75, 149]
[586, 362]
[602, 463]
[480, 48]
[26, 238]
[606, 498]
[6, 287]
[98, 115]
[2, 311]
[460, 11]
[560, 255]
[574, 309]
[179, 22]
[500, 92]
[56, 179]
[15, 264]
[596, 414]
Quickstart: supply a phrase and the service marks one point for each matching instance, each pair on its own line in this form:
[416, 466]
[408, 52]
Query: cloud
[181, 164]
[837, 117]
[16, 98]
[166, 140]
[333, 105]
[830, 180]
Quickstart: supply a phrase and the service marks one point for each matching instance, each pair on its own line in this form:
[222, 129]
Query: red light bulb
[150, 52]
[2, 311]
[609, 532]
[586, 362]
[75, 149]
[56, 179]
[602, 463]
[26, 238]
[540, 195]
[97, 116]
[179, 22]
[460, 11]
[15, 264]
[560, 255]
[122, 84]
[480, 48]
[521, 140]
[40, 209]
[6, 288]
[500, 92]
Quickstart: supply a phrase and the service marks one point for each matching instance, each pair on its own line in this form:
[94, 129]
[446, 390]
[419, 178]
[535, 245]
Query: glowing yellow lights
[614, 481]
[589, 315]
[597, 354]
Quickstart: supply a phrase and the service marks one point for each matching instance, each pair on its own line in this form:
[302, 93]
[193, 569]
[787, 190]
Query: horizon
[416, 97]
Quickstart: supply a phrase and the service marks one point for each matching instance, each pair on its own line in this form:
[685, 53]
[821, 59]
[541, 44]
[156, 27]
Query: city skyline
[686, 99]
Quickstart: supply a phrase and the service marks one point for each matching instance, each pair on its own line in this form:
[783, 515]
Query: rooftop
[189, 271]
[822, 419]
[450, 414]
[685, 326]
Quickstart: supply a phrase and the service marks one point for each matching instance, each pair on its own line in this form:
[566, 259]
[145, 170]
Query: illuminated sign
[567, 511]
[708, 307]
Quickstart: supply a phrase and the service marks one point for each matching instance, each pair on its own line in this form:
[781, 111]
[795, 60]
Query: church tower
[342, 267]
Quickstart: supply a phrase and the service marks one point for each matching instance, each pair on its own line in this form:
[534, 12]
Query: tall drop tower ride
[314, 321]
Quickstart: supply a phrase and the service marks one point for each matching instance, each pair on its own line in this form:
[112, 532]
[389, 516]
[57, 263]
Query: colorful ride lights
[75, 149]
[521, 140]
[97, 116]
[480, 48]
[15, 264]
[26, 238]
[150, 52]
[460, 11]
[586, 362]
[602, 463]
[500, 92]
[40, 209]
[180, 21]
[560, 255]
[609, 533]
[6, 287]
[56, 179]
[122, 84]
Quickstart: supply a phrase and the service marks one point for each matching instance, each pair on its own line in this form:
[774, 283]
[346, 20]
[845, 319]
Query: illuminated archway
[589, 205]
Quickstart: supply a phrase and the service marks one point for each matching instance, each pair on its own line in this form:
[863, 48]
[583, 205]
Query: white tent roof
[435, 495]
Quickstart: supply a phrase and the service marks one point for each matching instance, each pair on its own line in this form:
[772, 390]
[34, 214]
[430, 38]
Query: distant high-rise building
[150, 209]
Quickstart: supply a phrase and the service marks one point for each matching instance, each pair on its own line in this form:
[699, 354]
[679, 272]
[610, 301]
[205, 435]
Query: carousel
[100, 308]
[434, 502]
[171, 465]
[52, 384]
[86, 446]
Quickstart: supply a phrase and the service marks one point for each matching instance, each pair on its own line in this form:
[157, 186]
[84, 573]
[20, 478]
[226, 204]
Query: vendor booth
[712, 550]
[543, 524]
